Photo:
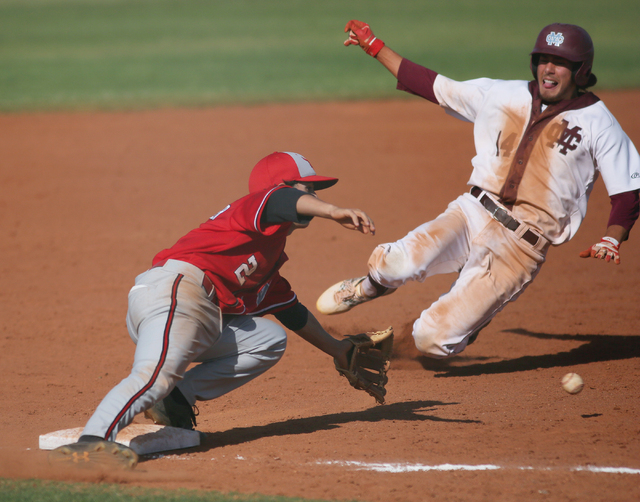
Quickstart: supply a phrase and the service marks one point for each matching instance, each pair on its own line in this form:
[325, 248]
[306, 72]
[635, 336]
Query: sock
[371, 288]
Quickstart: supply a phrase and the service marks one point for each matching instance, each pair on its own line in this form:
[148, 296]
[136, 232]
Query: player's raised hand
[607, 249]
[360, 34]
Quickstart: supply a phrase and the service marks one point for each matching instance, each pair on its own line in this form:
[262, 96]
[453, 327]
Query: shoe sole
[327, 304]
[94, 455]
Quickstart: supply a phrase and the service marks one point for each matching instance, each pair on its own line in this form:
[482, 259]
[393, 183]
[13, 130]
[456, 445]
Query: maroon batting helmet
[282, 167]
[570, 42]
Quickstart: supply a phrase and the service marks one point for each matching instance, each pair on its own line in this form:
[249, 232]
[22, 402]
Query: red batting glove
[360, 34]
[607, 249]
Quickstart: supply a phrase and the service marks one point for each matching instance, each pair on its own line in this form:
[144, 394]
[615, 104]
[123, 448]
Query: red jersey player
[203, 301]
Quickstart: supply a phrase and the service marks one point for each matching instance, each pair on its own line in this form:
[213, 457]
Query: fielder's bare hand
[354, 219]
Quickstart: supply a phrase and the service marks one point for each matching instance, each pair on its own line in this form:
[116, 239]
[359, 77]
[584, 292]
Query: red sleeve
[248, 211]
[416, 79]
[625, 208]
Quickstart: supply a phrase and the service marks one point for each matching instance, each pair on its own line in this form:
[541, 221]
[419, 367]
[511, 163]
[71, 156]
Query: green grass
[69, 54]
[55, 491]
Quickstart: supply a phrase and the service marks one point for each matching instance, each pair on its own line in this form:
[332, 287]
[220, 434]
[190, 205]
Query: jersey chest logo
[262, 293]
[564, 137]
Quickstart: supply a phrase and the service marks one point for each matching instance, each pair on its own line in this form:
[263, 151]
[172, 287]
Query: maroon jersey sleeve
[625, 208]
[416, 79]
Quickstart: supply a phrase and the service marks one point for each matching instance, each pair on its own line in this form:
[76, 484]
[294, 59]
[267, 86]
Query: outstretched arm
[315, 334]
[412, 78]
[353, 219]
[360, 34]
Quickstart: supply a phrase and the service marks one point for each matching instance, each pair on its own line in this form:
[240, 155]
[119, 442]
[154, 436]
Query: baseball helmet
[570, 42]
[284, 167]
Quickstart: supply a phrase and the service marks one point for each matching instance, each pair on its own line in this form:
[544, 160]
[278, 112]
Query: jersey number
[246, 269]
[507, 145]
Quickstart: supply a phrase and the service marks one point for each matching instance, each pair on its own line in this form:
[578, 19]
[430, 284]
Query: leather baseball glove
[369, 362]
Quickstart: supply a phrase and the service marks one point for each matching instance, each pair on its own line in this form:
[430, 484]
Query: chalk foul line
[406, 467]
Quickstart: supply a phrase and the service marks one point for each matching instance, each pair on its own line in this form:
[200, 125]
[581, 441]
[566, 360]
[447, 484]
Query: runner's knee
[437, 340]
[390, 265]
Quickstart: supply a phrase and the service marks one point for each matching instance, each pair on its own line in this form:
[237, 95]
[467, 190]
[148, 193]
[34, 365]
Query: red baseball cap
[280, 167]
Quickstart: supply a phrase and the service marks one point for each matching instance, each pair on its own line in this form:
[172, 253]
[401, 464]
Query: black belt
[503, 216]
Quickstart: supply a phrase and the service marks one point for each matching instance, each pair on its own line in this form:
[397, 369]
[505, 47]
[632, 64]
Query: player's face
[555, 79]
[305, 187]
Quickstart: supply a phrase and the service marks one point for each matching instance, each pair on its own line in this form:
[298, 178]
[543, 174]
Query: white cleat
[343, 296]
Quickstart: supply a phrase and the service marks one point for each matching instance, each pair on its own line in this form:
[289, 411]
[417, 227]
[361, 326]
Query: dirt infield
[86, 200]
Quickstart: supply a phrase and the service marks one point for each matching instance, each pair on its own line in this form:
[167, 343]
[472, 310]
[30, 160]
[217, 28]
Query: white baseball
[572, 383]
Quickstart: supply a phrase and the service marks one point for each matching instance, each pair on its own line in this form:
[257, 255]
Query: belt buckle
[494, 212]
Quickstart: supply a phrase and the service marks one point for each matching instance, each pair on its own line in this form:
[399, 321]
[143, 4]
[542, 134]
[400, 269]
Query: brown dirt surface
[87, 199]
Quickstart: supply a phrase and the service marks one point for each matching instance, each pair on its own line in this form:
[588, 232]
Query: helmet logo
[554, 38]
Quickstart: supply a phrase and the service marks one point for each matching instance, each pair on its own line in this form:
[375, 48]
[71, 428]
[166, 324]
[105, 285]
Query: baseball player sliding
[202, 301]
[540, 146]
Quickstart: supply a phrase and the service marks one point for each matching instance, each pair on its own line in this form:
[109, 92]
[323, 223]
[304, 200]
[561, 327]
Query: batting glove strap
[611, 241]
[375, 46]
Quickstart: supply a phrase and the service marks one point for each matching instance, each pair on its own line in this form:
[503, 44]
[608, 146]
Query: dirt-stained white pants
[174, 323]
[493, 262]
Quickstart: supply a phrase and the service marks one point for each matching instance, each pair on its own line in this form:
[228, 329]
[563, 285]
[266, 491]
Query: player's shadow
[595, 348]
[411, 411]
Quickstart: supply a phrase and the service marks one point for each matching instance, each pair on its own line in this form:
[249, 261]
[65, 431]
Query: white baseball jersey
[544, 169]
